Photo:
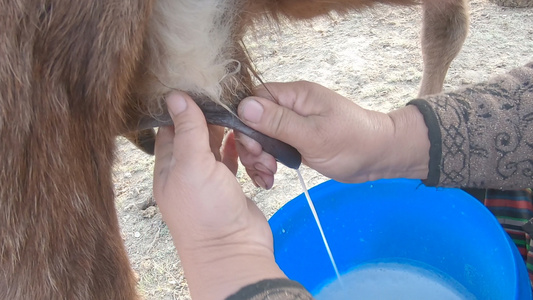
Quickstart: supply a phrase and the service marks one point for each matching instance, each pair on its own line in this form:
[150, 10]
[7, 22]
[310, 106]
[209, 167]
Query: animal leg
[445, 27]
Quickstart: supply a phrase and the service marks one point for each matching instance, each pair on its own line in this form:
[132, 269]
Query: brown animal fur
[65, 76]
[70, 73]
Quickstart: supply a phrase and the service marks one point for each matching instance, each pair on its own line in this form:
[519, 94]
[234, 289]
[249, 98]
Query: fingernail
[251, 110]
[262, 168]
[259, 181]
[176, 103]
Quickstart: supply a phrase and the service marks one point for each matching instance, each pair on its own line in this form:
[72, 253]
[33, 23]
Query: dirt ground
[372, 57]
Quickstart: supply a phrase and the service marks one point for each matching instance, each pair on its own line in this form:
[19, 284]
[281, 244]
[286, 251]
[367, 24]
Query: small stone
[129, 207]
[149, 202]
[146, 265]
[149, 213]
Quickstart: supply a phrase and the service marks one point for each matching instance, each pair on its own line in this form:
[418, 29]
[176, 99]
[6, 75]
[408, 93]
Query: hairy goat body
[75, 74]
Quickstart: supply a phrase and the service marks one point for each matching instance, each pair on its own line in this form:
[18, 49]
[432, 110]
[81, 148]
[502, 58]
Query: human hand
[335, 136]
[222, 238]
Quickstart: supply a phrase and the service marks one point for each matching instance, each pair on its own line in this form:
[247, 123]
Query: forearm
[223, 275]
[233, 274]
[482, 135]
[217, 269]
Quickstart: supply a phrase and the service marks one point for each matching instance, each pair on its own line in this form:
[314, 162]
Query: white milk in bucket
[393, 280]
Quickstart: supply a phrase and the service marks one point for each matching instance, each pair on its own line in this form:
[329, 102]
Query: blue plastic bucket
[398, 219]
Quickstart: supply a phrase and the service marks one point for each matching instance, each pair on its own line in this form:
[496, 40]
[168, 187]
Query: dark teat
[217, 115]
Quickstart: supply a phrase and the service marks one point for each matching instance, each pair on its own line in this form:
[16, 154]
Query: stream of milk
[302, 182]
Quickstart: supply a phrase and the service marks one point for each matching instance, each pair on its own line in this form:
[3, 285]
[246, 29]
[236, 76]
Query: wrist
[217, 273]
[409, 153]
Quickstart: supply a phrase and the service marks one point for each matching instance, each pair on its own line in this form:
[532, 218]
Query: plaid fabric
[514, 209]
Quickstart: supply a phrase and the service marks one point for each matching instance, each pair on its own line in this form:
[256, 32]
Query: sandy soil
[371, 57]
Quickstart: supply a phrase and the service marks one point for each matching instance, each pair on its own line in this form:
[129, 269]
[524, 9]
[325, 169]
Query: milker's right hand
[335, 136]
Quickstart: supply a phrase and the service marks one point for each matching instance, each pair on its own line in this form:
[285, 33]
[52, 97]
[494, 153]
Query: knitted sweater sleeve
[482, 135]
[272, 289]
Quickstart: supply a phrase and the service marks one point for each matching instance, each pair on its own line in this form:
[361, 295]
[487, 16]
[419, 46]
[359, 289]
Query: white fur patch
[192, 45]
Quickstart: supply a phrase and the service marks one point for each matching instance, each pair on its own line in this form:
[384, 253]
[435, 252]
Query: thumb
[273, 120]
[191, 136]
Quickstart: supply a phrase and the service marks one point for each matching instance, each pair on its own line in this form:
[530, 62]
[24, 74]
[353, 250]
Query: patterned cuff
[272, 289]
[435, 140]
